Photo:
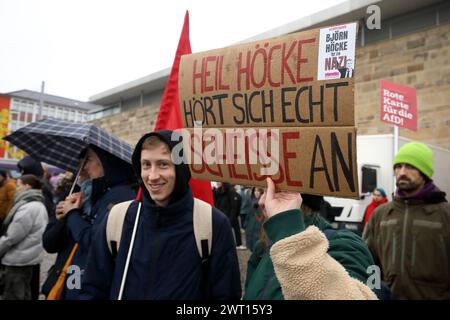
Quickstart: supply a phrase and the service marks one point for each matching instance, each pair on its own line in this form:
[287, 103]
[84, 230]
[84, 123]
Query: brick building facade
[420, 60]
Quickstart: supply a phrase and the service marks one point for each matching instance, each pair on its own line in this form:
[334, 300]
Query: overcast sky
[83, 47]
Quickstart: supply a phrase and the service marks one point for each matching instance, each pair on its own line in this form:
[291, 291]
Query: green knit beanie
[417, 155]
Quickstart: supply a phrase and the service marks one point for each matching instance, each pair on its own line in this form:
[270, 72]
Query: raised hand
[272, 202]
[73, 201]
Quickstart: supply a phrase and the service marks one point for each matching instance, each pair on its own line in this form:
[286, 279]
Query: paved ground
[48, 261]
[243, 256]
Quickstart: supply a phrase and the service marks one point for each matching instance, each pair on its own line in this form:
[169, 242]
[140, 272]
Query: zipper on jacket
[405, 223]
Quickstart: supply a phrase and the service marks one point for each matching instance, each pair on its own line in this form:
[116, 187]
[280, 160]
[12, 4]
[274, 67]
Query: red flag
[169, 116]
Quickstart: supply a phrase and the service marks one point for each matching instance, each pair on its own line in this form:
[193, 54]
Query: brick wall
[130, 125]
[420, 60]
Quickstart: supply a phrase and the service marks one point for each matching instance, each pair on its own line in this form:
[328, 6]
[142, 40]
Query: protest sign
[337, 52]
[267, 83]
[283, 86]
[313, 160]
[398, 105]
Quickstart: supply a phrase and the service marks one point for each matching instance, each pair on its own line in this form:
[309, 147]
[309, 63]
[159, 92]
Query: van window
[369, 178]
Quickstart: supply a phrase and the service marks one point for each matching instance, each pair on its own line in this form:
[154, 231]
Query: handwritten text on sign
[293, 125]
[313, 160]
[268, 83]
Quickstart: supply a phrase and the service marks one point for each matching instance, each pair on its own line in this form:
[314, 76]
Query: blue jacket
[82, 230]
[165, 263]
[56, 239]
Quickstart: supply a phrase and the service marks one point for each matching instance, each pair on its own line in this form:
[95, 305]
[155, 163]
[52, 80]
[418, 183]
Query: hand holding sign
[272, 202]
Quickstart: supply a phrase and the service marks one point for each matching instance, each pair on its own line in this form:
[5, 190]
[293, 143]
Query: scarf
[427, 193]
[20, 199]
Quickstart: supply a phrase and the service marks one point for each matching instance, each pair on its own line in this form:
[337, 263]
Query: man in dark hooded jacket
[111, 178]
[165, 263]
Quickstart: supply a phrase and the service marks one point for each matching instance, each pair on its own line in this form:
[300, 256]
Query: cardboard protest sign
[292, 97]
[272, 82]
[398, 105]
[313, 160]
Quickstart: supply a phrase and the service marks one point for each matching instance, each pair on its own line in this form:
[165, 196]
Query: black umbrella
[60, 143]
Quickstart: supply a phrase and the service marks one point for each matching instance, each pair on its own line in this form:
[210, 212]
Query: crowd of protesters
[295, 252]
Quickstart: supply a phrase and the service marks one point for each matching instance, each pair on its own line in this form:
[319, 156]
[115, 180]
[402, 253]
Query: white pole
[394, 153]
[130, 250]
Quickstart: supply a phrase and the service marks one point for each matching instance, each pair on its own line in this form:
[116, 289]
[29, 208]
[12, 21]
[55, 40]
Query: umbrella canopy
[60, 143]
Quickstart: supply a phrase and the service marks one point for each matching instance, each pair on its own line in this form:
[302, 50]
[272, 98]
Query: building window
[112, 110]
[71, 116]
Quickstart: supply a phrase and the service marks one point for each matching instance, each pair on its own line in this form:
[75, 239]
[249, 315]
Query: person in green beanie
[409, 237]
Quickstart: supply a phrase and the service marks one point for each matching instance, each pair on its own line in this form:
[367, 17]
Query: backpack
[202, 223]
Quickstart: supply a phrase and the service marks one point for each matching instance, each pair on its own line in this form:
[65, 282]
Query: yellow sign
[6, 150]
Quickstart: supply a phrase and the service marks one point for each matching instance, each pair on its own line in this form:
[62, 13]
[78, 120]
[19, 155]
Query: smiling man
[157, 170]
[165, 263]
[410, 236]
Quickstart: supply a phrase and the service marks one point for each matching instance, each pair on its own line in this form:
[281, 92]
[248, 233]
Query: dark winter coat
[410, 240]
[107, 191]
[227, 200]
[165, 263]
[56, 239]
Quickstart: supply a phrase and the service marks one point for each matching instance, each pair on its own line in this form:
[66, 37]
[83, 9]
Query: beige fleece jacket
[307, 272]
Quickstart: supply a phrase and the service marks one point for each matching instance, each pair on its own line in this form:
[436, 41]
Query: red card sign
[398, 105]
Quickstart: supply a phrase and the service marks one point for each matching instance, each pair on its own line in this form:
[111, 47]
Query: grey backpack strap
[114, 225]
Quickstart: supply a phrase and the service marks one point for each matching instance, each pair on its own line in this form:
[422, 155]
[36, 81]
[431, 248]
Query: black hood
[116, 171]
[225, 187]
[182, 172]
[29, 165]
